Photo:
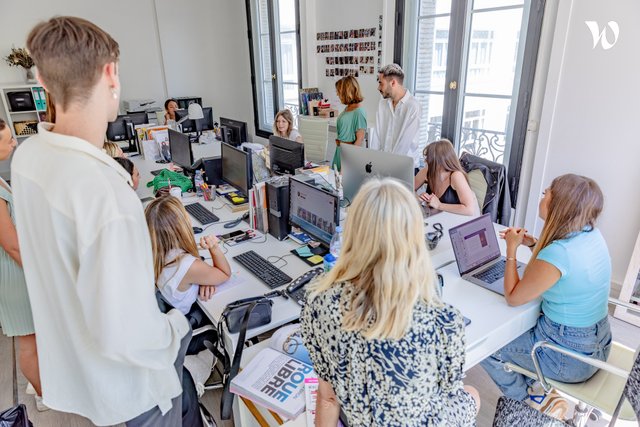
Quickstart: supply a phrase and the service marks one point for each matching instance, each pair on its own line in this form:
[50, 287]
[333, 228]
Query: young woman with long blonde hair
[570, 269]
[387, 350]
[283, 126]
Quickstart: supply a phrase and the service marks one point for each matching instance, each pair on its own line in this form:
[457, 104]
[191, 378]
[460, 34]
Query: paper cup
[176, 192]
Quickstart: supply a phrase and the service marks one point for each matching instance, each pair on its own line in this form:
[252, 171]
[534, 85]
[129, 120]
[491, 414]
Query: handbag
[15, 417]
[260, 314]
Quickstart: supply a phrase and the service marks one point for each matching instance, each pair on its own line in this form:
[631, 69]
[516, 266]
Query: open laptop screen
[474, 243]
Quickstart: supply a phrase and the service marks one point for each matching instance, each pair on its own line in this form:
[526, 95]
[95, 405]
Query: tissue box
[328, 112]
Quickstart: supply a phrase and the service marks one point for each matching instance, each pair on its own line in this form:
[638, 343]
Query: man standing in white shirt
[107, 351]
[398, 117]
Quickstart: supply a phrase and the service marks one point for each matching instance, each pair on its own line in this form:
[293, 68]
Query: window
[470, 63]
[274, 41]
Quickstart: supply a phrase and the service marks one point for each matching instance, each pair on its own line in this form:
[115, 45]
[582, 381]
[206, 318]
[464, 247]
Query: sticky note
[304, 251]
[316, 259]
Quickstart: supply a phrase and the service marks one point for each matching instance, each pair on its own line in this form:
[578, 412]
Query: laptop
[477, 252]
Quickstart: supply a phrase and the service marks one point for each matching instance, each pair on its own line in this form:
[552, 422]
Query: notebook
[475, 246]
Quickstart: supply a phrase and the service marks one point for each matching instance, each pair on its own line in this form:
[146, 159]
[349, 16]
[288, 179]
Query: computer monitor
[200, 125]
[359, 164]
[236, 168]
[180, 148]
[123, 127]
[285, 155]
[315, 210]
[234, 132]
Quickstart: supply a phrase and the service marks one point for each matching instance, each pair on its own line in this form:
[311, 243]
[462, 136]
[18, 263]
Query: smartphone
[231, 235]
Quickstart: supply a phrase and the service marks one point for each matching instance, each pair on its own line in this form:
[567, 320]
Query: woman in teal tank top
[15, 311]
[570, 268]
[352, 122]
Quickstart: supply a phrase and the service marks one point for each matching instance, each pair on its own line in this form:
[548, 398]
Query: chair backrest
[495, 199]
[511, 413]
[315, 135]
[631, 391]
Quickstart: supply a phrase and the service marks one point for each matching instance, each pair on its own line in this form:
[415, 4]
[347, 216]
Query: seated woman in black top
[447, 187]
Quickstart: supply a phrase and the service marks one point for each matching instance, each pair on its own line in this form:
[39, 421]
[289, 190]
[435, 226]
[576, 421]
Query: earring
[114, 93]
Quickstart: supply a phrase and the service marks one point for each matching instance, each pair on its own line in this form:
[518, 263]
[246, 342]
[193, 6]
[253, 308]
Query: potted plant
[19, 57]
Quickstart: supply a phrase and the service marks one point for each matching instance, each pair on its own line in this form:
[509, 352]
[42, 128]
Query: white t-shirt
[107, 352]
[177, 263]
[294, 134]
[397, 130]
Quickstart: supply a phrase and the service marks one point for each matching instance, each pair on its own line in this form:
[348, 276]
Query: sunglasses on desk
[433, 237]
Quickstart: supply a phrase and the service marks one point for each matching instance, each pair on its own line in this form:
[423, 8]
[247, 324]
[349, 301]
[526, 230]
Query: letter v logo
[601, 36]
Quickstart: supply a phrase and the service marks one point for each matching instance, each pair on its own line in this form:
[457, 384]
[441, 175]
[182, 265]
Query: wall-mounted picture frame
[631, 288]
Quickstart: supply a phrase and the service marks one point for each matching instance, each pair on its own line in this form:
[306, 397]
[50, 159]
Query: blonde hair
[441, 157]
[112, 149]
[390, 269]
[348, 90]
[169, 228]
[285, 114]
[576, 202]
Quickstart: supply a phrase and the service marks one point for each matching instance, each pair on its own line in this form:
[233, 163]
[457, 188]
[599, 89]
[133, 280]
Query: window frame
[275, 60]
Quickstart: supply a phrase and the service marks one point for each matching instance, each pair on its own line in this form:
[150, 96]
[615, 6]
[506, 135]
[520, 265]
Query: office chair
[614, 389]
[315, 135]
[511, 413]
[493, 196]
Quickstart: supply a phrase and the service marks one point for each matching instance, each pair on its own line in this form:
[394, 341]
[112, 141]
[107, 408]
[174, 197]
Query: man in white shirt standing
[106, 350]
[398, 117]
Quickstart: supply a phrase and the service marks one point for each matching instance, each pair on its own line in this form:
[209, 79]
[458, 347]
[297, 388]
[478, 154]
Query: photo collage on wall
[351, 52]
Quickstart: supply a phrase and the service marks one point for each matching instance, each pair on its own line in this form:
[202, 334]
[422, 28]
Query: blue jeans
[593, 341]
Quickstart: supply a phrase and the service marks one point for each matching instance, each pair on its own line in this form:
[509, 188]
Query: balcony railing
[484, 143]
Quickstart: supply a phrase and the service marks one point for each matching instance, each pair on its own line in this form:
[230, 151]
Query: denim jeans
[593, 341]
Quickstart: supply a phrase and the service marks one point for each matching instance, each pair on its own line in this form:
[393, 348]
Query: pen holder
[209, 193]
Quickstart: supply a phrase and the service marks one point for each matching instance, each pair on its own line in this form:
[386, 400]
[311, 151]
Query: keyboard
[493, 273]
[202, 214]
[297, 290]
[262, 269]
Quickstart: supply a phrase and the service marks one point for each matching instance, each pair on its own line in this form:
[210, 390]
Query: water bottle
[198, 180]
[334, 250]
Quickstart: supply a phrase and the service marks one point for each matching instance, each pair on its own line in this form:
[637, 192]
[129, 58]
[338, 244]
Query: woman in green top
[15, 310]
[352, 122]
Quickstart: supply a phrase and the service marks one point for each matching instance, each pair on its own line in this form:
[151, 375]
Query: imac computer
[359, 164]
[315, 210]
[285, 155]
[233, 132]
[236, 168]
[180, 148]
[199, 125]
[123, 129]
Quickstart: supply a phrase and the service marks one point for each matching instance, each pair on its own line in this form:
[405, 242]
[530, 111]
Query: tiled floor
[623, 332]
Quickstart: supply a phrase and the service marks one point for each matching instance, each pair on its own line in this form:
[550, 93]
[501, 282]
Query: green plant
[19, 57]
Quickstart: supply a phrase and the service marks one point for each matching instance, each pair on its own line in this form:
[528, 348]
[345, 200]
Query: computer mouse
[197, 230]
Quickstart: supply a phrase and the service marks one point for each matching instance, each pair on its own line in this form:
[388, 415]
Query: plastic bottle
[198, 180]
[334, 250]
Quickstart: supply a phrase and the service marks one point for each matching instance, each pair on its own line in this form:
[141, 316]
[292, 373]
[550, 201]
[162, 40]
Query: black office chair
[511, 413]
[488, 180]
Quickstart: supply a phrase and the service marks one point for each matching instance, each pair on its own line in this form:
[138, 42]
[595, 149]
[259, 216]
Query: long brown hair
[441, 157]
[169, 228]
[576, 202]
[288, 116]
[348, 90]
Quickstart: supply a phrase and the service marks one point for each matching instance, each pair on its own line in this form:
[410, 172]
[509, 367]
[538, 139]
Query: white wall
[334, 15]
[167, 48]
[588, 124]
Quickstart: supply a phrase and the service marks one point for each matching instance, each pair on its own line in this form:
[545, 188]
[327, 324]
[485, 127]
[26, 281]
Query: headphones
[433, 237]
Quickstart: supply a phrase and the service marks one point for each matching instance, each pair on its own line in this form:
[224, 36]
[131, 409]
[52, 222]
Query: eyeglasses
[433, 237]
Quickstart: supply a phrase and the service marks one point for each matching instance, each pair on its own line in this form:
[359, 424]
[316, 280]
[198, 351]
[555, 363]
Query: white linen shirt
[397, 130]
[105, 350]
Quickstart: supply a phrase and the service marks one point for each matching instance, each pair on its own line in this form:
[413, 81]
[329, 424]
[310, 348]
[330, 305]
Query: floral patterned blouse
[413, 381]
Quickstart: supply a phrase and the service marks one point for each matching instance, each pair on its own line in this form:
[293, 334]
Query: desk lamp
[194, 113]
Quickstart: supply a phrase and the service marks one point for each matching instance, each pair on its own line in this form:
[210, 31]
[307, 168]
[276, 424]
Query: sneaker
[40, 406]
[551, 403]
[30, 389]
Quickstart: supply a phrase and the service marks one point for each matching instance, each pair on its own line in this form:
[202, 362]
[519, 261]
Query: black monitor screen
[122, 128]
[285, 155]
[206, 123]
[314, 210]
[234, 132]
[180, 147]
[236, 168]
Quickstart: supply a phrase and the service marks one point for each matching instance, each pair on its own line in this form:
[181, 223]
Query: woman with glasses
[570, 268]
[387, 350]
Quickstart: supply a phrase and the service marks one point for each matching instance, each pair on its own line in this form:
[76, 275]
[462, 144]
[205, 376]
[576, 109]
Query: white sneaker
[30, 389]
[550, 403]
[40, 406]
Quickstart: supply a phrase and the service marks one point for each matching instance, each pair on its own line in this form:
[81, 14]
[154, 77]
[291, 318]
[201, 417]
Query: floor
[623, 332]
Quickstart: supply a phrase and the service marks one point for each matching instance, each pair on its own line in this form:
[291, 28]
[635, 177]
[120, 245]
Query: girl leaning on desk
[15, 310]
[570, 269]
[352, 121]
[386, 349]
